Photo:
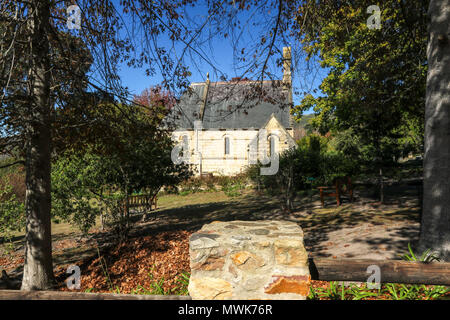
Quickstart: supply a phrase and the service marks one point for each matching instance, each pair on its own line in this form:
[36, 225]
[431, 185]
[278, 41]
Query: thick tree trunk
[435, 224]
[381, 184]
[38, 268]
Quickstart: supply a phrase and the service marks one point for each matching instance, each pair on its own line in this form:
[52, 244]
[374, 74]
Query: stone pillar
[249, 260]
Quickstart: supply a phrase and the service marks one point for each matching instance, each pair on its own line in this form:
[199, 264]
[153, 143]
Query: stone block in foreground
[248, 260]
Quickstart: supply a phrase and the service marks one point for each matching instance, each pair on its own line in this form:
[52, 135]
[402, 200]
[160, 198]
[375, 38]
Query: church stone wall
[211, 144]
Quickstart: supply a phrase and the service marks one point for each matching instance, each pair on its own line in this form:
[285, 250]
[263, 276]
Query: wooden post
[64, 295]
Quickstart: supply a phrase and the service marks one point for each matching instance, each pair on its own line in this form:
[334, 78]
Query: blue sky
[221, 52]
[136, 79]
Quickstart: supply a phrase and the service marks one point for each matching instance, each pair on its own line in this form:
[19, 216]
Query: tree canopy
[376, 77]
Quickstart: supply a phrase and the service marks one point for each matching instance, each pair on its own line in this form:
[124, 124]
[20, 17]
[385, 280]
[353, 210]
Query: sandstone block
[248, 260]
[208, 288]
[209, 264]
[290, 252]
[289, 284]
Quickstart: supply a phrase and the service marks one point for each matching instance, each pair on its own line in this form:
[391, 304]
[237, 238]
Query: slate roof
[233, 105]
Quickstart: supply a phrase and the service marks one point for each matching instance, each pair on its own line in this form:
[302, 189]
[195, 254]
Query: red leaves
[139, 262]
[155, 96]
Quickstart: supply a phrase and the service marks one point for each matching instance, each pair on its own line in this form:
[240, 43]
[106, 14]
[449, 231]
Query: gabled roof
[290, 140]
[241, 104]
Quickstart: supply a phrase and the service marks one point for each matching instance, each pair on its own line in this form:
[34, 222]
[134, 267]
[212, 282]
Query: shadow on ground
[362, 229]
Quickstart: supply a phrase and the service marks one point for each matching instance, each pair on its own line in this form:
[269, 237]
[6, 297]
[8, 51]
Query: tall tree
[125, 156]
[435, 225]
[376, 77]
[36, 48]
[34, 79]
[38, 269]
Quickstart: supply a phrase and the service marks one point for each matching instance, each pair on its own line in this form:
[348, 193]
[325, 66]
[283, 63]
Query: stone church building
[222, 124]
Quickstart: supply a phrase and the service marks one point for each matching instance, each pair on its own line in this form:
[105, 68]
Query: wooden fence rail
[391, 271]
[63, 295]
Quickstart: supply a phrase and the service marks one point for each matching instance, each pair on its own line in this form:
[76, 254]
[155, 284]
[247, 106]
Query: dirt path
[366, 241]
[363, 229]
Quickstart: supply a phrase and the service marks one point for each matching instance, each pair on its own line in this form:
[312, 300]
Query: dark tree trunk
[381, 184]
[435, 224]
[38, 268]
[290, 191]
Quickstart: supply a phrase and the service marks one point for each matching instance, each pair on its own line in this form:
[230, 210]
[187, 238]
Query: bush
[310, 164]
[15, 175]
[73, 181]
[228, 184]
[12, 211]
[191, 185]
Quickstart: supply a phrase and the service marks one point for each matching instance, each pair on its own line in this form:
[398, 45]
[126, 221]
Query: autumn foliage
[155, 98]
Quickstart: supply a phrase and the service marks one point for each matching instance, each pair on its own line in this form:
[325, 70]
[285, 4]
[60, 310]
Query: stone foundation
[249, 260]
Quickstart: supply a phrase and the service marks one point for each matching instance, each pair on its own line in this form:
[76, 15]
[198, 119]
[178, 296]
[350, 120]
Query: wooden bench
[337, 190]
[143, 200]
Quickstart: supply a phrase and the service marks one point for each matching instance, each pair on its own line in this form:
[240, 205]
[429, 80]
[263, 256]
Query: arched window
[227, 145]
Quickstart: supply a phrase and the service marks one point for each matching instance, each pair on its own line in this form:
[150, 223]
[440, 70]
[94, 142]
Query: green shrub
[312, 163]
[228, 184]
[191, 185]
[427, 256]
[184, 193]
[12, 211]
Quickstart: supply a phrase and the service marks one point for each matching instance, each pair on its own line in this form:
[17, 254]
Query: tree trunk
[290, 192]
[38, 267]
[381, 184]
[435, 224]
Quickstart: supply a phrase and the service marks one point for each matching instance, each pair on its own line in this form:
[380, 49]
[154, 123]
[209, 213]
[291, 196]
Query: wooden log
[64, 295]
[391, 271]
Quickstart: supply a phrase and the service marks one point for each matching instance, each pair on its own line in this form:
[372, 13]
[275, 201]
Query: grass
[170, 201]
[157, 286]
[219, 205]
[389, 291]
[427, 256]
[62, 229]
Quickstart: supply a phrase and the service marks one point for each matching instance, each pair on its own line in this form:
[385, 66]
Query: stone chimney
[287, 66]
[287, 80]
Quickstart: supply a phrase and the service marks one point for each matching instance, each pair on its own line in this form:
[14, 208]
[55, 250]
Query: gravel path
[366, 241]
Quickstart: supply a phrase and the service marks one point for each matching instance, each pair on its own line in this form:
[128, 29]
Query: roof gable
[233, 105]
